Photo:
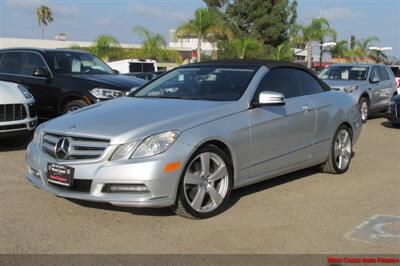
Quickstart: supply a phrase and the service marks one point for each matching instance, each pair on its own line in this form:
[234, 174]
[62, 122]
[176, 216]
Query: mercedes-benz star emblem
[63, 148]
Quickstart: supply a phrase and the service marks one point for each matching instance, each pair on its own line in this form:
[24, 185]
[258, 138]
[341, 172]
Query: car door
[322, 104]
[281, 136]
[387, 87]
[375, 89]
[40, 87]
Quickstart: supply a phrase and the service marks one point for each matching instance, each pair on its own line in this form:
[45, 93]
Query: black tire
[75, 104]
[182, 206]
[330, 165]
[364, 101]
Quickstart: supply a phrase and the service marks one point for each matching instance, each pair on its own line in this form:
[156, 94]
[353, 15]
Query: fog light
[34, 173]
[123, 188]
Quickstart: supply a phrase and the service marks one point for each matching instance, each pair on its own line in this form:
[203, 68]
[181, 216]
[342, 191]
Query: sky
[83, 20]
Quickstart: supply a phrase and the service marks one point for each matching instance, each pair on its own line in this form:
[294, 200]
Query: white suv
[17, 110]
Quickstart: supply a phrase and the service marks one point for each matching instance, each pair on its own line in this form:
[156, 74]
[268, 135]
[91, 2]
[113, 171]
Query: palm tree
[244, 47]
[362, 46]
[104, 46]
[153, 43]
[341, 49]
[316, 31]
[282, 52]
[206, 25]
[44, 16]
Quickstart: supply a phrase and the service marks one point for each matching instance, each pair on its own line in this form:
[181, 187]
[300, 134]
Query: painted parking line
[379, 229]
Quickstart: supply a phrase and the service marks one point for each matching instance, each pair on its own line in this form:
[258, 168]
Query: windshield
[201, 83]
[76, 63]
[344, 73]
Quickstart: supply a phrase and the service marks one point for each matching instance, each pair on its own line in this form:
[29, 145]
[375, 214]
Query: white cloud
[31, 5]
[158, 12]
[339, 13]
[108, 22]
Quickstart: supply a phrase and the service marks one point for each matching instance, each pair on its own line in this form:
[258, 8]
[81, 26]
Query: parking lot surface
[304, 212]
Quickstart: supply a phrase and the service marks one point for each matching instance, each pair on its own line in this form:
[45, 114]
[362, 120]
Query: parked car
[189, 137]
[396, 72]
[372, 86]
[63, 81]
[394, 111]
[17, 110]
[135, 66]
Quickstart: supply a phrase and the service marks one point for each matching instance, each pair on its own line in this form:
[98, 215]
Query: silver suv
[372, 86]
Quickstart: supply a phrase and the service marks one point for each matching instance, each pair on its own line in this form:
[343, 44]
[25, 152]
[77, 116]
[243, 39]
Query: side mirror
[41, 72]
[374, 79]
[270, 98]
[115, 72]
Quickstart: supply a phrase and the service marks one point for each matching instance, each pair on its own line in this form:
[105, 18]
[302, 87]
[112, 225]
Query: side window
[308, 83]
[11, 63]
[282, 80]
[374, 73]
[31, 62]
[383, 73]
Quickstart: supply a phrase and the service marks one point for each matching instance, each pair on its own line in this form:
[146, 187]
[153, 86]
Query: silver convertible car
[189, 137]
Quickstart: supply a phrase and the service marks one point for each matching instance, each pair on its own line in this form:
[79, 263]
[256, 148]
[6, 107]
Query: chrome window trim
[27, 51]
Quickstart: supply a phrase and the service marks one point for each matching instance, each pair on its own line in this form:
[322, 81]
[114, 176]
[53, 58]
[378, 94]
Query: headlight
[25, 92]
[150, 146]
[156, 144]
[124, 151]
[350, 89]
[103, 93]
[37, 136]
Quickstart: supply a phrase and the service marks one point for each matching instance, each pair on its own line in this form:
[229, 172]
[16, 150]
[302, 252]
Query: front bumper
[17, 128]
[162, 186]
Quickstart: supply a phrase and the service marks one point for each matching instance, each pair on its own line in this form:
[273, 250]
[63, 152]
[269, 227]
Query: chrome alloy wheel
[206, 182]
[364, 110]
[73, 108]
[343, 149]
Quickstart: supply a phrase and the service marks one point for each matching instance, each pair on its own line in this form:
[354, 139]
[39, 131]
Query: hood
[121, 82]
[339, 84]
[10, 94]
[128, 118]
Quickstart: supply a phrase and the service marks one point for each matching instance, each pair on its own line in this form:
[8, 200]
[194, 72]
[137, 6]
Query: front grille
[13, 127]
[12, 112]
[80, 148]
[79, 185]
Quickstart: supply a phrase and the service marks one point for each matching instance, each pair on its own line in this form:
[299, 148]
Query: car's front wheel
[341, 151]
[73, 106]
[205, 185]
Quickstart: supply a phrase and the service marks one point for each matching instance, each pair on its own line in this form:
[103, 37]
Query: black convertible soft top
[270, 64]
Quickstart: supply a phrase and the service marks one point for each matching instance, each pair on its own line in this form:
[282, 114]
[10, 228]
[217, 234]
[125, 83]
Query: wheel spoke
[218, 174]
[198, 199]
[214, 195]
[346, 154]
[205, 163]
[192, 179]
[340, 163]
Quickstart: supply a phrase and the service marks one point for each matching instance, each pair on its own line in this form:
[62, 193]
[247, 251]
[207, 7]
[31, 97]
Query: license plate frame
[60, 174]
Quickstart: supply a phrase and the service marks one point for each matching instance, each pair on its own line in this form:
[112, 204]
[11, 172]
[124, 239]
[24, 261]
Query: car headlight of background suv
[150, 146]
[104, 93]
[350, 89]
[25, 92]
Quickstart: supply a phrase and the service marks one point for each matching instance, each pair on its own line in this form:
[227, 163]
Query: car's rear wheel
[341, 151]
[205, 184]
[73, 106]
[364, 108]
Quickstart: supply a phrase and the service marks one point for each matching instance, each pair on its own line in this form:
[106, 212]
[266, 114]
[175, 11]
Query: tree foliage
[105, 46]
[153, 43]
[44, 16]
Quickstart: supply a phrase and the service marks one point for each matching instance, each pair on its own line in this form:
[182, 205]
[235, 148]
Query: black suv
[62, 80]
